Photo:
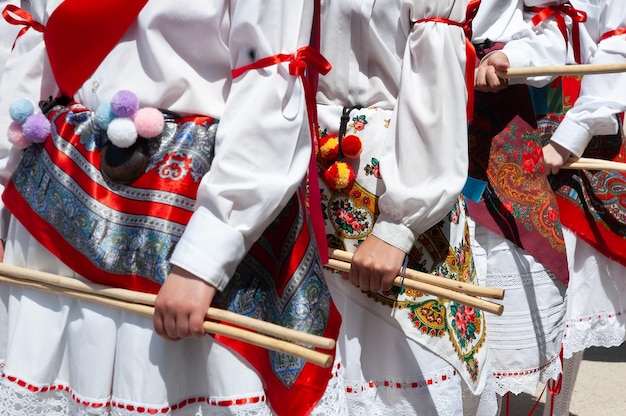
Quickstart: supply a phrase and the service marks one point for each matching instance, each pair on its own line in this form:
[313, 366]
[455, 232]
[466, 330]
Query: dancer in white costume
[597, 290]
[60, 356]
[515, 244]
[398, 87]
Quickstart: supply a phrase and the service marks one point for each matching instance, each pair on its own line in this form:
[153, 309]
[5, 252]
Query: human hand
[181, 305]
[375, 265]
[486, 78]
[554, 156]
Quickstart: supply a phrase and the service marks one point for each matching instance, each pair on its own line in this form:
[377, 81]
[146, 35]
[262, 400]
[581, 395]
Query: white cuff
[209, 249]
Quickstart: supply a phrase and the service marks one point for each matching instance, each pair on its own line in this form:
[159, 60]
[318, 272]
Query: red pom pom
[339, 175]
[329, 147]
[351, 146]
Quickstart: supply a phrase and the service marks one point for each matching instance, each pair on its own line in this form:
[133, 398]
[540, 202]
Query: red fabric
[101, 22]
[611, 33]
[26, 20]
[46, 234]
[305, 393]
[559, 12]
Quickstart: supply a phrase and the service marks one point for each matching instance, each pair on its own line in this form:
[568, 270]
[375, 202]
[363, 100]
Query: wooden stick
[312, 356]
[461, 287]
[126, 299]
[258, 325]
[584, 69]
[477, 303]
[594, 164]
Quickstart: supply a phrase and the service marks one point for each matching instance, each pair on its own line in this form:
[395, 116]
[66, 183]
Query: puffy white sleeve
[533, 45]
[25, 75]
[263, 144]
[601, 96]
[424, 162]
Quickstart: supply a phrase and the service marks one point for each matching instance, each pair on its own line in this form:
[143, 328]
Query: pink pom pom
[36, 128]
[149, 122]
[16, 136]
[124, 103]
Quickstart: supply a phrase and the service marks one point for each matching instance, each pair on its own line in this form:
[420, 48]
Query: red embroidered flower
[464, 315]
[359, 124]
[552, 215]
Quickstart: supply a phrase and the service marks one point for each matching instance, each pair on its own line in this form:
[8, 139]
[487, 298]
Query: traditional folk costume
[591, 203]
[229, 159]
[518, 241]
[398, 90]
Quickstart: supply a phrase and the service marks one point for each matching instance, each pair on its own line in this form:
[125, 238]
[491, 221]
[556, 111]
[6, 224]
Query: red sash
[113, 18]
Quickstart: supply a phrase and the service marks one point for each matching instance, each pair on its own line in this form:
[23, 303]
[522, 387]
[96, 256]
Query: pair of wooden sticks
[461, 292]
[253, 331]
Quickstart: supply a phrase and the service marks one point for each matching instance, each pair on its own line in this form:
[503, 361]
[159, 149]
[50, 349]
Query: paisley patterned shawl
[592, 203]
[518, 202]
[123, 235]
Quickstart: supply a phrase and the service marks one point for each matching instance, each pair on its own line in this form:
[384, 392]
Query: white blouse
[179, 55]
[380, 58]
[527, 45]
[601, 96]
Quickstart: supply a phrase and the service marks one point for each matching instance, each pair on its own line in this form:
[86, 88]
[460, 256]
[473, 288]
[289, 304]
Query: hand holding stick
[423, 282]
[143, 304]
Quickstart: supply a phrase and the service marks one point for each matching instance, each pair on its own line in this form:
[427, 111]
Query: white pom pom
[122, 132]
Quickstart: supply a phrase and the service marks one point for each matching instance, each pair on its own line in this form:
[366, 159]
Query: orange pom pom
[339, 175]
[351, 146]
[329, 147]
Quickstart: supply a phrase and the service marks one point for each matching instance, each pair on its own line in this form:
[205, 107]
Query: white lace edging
[526, 381]
[16, 400]
[598, 330]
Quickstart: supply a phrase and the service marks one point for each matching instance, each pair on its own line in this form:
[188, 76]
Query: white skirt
[596, 304]
[525, 342]
[61, 356]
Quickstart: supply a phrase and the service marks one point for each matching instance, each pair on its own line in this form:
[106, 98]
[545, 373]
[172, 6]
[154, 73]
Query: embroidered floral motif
[358, 123]
[372, 168]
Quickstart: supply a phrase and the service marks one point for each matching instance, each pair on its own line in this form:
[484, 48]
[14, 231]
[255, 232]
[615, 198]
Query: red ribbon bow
[25, 19]
[559, 12]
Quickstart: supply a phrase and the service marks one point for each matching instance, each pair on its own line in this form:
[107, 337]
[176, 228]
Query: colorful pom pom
[149, 122]
[122, 132]
[339, 175]
[36, 128]
[21, 109]
[104, 115]
[16, 136]
[351, 146]
[329, 147]
[124, 103]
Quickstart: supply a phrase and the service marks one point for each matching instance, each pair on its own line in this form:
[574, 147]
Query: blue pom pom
[21, 109]
[104, 115]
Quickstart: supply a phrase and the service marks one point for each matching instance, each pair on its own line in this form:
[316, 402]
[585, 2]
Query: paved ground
[600, 389]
